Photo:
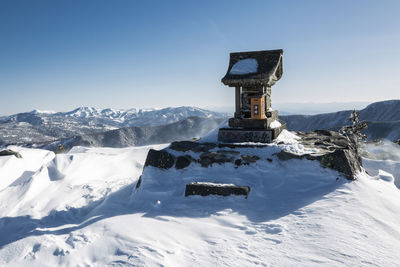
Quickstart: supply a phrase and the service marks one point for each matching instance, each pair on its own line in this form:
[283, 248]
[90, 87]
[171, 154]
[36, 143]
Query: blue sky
[59, 55]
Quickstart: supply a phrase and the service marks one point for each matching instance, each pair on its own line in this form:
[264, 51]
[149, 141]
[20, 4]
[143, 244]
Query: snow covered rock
[334, 151]
[160, 159]
[330, 148]
[9, 152]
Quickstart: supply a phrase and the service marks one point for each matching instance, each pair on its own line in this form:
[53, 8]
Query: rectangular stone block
[253, 123]
[235, 135]
[206, 189]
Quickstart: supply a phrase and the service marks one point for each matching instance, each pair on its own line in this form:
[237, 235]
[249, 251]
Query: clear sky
[59, 55]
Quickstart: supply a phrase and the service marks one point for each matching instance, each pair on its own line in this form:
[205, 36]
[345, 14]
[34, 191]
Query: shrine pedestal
[240, 135]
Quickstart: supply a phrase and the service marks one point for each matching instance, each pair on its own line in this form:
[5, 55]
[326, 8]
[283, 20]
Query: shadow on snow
[125, 201]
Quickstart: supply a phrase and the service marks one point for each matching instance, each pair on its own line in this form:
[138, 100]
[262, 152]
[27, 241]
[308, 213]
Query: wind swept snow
[81, 209]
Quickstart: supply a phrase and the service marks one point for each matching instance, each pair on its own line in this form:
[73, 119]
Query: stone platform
[248, 123]
[239, 135]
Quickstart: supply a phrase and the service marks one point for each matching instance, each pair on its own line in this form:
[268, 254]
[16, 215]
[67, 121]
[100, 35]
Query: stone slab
[235, 135]
[206, 189]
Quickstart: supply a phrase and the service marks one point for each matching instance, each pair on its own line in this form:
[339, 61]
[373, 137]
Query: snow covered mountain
[44, 126]
[114, 117]
[82, 209]
[383, 118]
[189, 128]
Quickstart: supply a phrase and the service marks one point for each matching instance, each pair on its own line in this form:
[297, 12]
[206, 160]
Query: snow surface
[81, 209]
[382, 157]
[244, 66]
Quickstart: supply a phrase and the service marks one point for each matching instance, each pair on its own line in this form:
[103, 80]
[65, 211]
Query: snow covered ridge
[125, 115]
[39, 127]
[81, 209]
[383, 118]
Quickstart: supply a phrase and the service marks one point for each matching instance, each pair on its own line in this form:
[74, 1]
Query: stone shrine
[252, 74]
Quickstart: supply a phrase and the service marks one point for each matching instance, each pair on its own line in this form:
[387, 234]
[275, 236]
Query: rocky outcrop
[335, 151]
[9, 152]
[159, 159]
[397, 142]
[331, 149]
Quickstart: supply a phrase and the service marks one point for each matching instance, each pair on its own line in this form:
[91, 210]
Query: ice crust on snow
[244, 66]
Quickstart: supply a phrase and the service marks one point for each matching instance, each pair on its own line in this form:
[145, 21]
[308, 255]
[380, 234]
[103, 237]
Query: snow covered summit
[83, 208]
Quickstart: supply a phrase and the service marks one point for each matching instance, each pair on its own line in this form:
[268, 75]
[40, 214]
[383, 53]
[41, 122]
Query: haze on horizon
[60, 55]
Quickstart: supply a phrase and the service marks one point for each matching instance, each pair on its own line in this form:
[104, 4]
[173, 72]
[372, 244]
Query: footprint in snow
[76, 239]
[273, 229]
[250, 232]
[32, 254]
[211, 242]
[60, 252]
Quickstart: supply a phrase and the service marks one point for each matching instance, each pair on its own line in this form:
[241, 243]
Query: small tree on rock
[354, 131]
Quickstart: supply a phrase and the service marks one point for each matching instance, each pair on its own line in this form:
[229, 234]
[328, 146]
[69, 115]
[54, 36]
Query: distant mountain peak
[38, 111]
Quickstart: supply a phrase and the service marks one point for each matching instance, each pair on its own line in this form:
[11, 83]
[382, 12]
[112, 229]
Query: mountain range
[383, 119]
[119, 128]
[41, 127]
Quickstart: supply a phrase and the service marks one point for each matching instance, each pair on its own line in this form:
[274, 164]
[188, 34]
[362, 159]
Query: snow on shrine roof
[255, 68]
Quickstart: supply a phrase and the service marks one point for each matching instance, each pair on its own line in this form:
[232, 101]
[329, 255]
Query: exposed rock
[335, 151]
[397, 141]
[9, 152]
[285, 155]
[343, 160]
[60, 149]
[209, 158]
[246, 160]
[238, 162]
[183, 162]
[229, 152]
[249, 159]
[160, 159]
[139, 182]
[325, 140]
[185, 146]
[205, 189]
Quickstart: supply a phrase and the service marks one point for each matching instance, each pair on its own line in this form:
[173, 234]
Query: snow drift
[81, 208]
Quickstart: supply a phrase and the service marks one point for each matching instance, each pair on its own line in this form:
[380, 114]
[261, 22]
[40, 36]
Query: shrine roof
[254, 68]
